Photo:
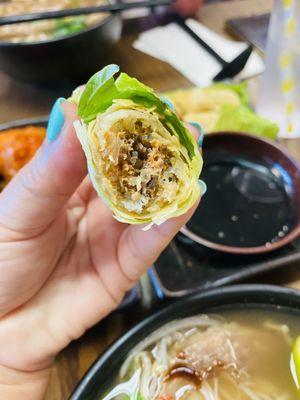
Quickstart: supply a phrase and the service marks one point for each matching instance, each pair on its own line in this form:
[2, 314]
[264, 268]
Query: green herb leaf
[131, 88]
[101, 90]
[98, 94]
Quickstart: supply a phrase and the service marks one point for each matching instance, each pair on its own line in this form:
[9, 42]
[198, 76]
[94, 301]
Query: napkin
[173, 45]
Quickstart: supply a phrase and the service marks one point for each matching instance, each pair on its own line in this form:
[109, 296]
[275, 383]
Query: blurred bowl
[64, 61]
[98, 378]
[252, 204]
[21, 123]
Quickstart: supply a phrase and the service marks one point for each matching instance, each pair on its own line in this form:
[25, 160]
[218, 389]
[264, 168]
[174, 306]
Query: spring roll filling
[142, 167]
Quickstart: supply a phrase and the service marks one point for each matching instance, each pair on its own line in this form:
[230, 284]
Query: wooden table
[22, 101]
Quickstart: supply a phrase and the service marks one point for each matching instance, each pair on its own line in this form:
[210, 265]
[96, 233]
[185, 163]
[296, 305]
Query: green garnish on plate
[68, 26]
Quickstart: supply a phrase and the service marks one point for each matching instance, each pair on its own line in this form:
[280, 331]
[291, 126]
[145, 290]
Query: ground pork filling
[143, 173]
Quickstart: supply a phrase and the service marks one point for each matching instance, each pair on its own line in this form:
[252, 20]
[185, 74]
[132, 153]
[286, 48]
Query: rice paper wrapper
[141, 160]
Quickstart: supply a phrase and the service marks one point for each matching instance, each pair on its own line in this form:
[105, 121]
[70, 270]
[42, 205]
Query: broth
[233, 355]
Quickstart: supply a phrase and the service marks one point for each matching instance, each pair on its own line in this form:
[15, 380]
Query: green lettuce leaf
[241, 89]
[102, 89]
[98, 93]
[243, 119]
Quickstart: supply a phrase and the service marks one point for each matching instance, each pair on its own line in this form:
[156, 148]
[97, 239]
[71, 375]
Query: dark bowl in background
[265, 297]
[64, 61]
[38, 121]
[273, 156]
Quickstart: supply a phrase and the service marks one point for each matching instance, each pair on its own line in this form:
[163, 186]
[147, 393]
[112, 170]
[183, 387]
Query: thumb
[34, 197]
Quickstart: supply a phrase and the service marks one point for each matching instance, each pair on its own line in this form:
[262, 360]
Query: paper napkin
[174, 46]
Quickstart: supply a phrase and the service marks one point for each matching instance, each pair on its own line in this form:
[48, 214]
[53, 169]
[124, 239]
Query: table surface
[19, 101]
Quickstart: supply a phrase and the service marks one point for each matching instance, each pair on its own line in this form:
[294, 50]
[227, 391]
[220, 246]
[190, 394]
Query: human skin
[65, 262]
[188, 7]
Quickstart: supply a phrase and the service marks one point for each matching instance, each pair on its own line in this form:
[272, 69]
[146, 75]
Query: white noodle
[280, 328]
[293, 371]
[146, 367]
[216, 387]
[207, 392]
[130, 388]
[251, 394]
[231, 348]
[160, 351]
[181, 392]
[153, 387]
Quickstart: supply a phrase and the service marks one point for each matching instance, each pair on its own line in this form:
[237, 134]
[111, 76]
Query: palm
[80, 289]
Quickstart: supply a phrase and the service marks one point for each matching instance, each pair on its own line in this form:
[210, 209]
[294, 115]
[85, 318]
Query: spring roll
[141, 159]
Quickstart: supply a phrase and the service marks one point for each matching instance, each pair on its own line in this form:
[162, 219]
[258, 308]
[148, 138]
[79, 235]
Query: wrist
[19, 385]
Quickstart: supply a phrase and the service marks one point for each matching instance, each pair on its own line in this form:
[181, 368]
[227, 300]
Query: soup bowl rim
[243, 296]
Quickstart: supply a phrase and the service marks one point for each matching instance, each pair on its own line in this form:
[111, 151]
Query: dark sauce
[2, 182]
[196, 377]
[184, 371]
[247, 204]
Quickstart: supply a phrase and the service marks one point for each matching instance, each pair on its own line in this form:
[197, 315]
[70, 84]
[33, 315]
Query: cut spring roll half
[142, 161]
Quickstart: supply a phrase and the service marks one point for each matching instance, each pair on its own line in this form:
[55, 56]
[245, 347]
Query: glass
[279, 95]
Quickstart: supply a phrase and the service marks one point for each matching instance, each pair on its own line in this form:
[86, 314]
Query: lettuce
[101, 90]
[241, 89]
[243, 119]
[222, 106]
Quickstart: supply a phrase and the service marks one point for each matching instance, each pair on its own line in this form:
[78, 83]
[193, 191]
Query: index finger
[197, 131]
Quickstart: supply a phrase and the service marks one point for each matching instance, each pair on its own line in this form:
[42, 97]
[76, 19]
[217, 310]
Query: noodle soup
[46, 29]
[230, 356]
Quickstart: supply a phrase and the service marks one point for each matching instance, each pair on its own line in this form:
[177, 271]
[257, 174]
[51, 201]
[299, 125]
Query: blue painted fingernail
[56, 120]
[201, 132]
[203, 187]
[168, 103]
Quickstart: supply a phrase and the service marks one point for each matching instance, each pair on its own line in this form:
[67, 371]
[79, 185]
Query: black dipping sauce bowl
[100, 376]
[252, 203]
[64, 61]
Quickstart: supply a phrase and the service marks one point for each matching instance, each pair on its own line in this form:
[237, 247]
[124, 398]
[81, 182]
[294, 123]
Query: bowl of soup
[224, 344]
[57, 52]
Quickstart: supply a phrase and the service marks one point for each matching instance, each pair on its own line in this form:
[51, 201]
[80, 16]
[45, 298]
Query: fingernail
[201, 132]
[203, 187]
[168, 103]
[56, 120]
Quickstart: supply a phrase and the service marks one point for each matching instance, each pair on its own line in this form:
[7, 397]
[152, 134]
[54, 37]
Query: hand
[188, 7]
[65, 262]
